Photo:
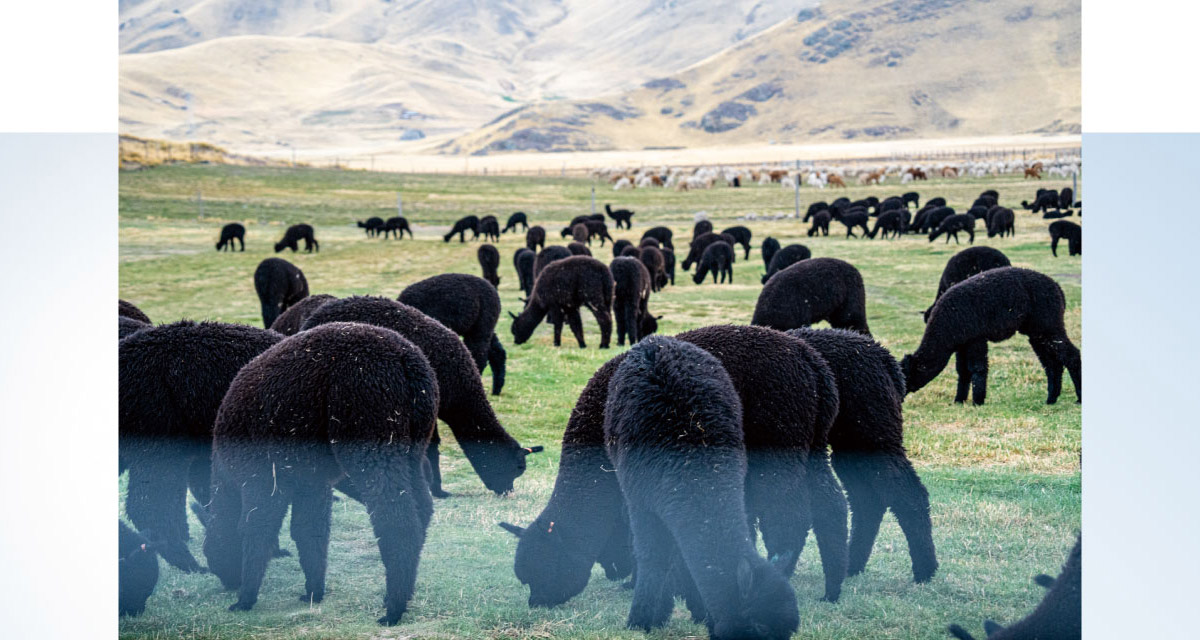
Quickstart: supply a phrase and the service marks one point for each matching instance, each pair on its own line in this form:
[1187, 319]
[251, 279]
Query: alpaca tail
[960, 633]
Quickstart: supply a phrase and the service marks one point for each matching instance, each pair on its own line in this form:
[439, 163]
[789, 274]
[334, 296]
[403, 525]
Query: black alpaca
[891, 221]
[548, 255]
[497, 458]
[535, 238]
[137, 571]
[1069, 230]
[913, 198]
[303, 417]
[741, 235]
[464, 224]
[814, 290]
[662, 234]
[619, 246]
[523, 264]
[769, 247]
[1066, 198]
[931, 217]
[790, 485]
[814, 208]
[489, 262]
[649, 242]
[631, 252]
[469, 307]
[584, 219]
[785, 258]
[717, 259]
[867, 439]
[952, 225]
[577, 232]
[1000, 222]
[597, 229]
[702, 227]
[656, 264]
[396, 226]
[631, 294]
[373, 226]
[699, 244]
[293, 236]
[578, 249]
[1058, 616]
[820, 223]
[936, 202]
[668, 265]
[130, 310]
[515, 219]
[289, 322]
[620, 216]
[489, 228]
[128, 326]
[279, 284]
[991, 307]
[170, 383]
[965, 264]
[229, 233]
[673, 426]
[853, 218]
[559, 291]
[1046, 199]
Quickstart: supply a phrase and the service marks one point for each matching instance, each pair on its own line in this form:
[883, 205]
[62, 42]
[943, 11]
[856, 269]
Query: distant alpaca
[489, 261]
[621, 216]
[1069, 230]
[464, 224]
[373, 225]
[396, 225]
[535, 238]
[515, 219]
[292, 237]
[229, 233]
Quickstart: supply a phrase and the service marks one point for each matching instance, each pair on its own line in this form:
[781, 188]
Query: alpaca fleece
[170, 380]
[662, 234]
[128, 326]
[535, 238]
[718, 259]
[489, 262]
[515, 219]
[137, 571]
[229, 233]
[1069, 230]
[523, 260]
[741, 235]
[702, 227]
[673, 430]
[1000, 222]
[789, 403]
[559, 291]
[495, 455]
[461, 227]
[867, 439]
[343, 403]
[619, 246]
[991, 307]
[769, 247]
[546, 256]
[785, 258]
[469, 307]
[293, 236]
[578, 249]
[951, 225]
[289, 322]
[813, 290]
[279, 284]
[965, 264]
[656, 264]
[1058, 616]
[129, 310]
[631, 294]
[579, 233]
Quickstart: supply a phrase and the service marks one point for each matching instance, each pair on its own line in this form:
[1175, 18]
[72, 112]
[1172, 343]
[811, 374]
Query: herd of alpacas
[678, 454]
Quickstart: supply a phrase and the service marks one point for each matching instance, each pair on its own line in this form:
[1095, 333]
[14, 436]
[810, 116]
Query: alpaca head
[497, 464]
[553, 568]
[280, 246]
[765, 608]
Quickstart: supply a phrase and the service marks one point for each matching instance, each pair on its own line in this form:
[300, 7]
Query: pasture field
[1004, 479]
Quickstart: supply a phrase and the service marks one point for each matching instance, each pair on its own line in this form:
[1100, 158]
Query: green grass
[1004, 478]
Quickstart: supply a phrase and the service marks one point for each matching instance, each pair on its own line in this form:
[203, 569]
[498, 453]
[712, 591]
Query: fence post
[593, 199]
[399, 205]
[796, 186]
[200, 201]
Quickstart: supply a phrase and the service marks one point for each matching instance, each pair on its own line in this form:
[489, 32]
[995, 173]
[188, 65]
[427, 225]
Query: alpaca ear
[535, 449]
[1043, 580]
[991, 628]
[511, 528]
[514, 316]
[658, 317]
[745, 578]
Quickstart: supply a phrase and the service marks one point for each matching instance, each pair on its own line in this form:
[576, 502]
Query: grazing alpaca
[515, 219]
[1059, 616]
[951, 225]
[913, 198]
[279, 284]
[891, 221]
[717, 258]
[535, 238]
[631, 293]
[361, 422]
[523, 261]
[396, 226]
[373, 225]
[464, 224]
[489, 228]
[820, 223]
[289, 322]
[836, 181]
[578, 249]
[814, 208]
[991, 307]
[229, 233]
[702, 227]
[294, 235]
[137, 571]
[1032, 172]
[785, 258]
[662, 234]
[769, 247]
[853, 218]
[813, 290]
[1000, 222]
[1069, 230]
[548, 255]
[965, 264]
[656, 264]
[560, 290]
[130, 310]
[489, 261]
[673, 426]
[741, 235]
[621, 216]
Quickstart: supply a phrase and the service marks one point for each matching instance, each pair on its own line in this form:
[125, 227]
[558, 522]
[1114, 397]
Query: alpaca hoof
[390, 620]
[831, 597]
[281, 553]
[438, 493]
[850, 573]
[241, 606]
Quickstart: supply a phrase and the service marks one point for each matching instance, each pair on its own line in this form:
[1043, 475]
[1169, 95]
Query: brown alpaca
[777, 175]
[873, 177]
[949, 172]
[656, 181]
[917, 174]
[1033, 172]
[836, 181]
[681, 185]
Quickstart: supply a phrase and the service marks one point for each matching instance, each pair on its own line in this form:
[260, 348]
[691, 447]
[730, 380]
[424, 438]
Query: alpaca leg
[435, 472]
[157, 503]
[200, 477]
[576, 324]
[829, 522]
[977, 364]
[1068, 355]
[263, 509]
[776, 493]
[222, 540]
[603, 317]
[556, 318]
[653, 549]
[497, 357]
[1051, 365]
[964, 376]
[866, 508]
[311, 514]
[902, 490]
[1054, 245]
[241, 241]
[622, 322]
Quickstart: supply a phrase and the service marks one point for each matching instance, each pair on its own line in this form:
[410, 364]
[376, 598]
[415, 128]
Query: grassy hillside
[1004, 478]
